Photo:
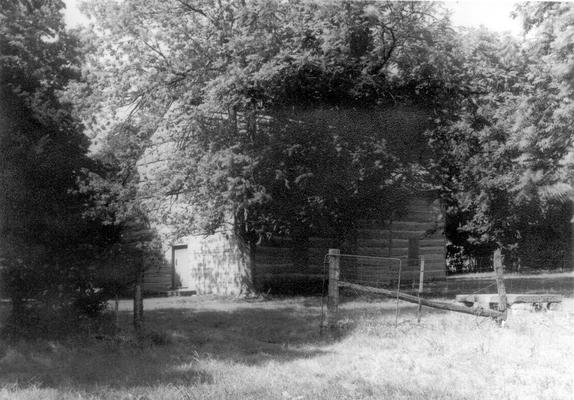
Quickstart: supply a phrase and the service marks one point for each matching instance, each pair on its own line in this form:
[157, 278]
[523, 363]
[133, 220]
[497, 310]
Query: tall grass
[229, 349]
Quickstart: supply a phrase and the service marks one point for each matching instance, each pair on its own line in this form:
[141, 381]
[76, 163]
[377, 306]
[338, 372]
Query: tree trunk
[138, 301]
[117, 312]
[251, 283]
[333, 294]
[499, 268]
[18, 309]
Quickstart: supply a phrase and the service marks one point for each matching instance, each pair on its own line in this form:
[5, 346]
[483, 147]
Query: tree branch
[199, 11]
[157, 51]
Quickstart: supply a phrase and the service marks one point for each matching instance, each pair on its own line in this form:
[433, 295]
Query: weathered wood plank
[510, 298]
[288, 269]
[320, 242]
[402, 234]
[382, 242]
[383, 252]
[268, 276]
[481, 312]
[498, 268]
[272, 250]
[333, 293]
[434, 257]
[278, 265]
[438, 242]
[411, 226]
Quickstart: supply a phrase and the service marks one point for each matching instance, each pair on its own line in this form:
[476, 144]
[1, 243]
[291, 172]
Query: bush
[51, 322]
[295, 286]
[49, 299]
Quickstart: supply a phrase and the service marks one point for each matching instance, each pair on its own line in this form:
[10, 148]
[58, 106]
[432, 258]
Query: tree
[112, 189]
[474, 166]
[545, 113]
[204, 86]
[545, 116]
[223, 89]
[504, 163]
[44, 238]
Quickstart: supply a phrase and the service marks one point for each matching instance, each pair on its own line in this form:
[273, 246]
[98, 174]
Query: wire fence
[291, 268]
[358, 275]
[370, 271]
[552, 275]
[550, 283]
[355, 275]
[409, 275]
[458, 264]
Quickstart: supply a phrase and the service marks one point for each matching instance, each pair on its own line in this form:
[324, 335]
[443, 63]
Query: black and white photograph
[286, 200]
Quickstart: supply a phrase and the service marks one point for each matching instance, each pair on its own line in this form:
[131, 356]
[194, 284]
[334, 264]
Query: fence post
[138, 301]
[421, 280]
[498, 269]
[333, 296]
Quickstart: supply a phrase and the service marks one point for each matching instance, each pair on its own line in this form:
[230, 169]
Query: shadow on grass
[192, 343]
[189, 344]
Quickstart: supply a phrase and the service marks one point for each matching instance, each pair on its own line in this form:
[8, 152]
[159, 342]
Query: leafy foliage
[274, 114]
[46, 244]
[220, 96]
[504, 161]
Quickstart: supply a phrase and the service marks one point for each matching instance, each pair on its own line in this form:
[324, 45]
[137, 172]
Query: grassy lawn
[208, 348]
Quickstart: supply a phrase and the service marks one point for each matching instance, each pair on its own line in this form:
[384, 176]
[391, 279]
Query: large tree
[46, 244]
[220, 97]
[226, 103]
[504, 156]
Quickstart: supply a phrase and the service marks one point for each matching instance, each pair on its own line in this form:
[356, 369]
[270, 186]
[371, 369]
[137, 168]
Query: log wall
[281, 265]
[421, 226]
[221, 264]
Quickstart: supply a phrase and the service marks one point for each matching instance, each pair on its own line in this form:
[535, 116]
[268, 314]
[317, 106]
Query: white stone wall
[214, 264]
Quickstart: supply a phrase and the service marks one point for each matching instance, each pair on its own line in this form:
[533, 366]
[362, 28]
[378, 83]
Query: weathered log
[479, 312]
[498, 268]
[333, 298]
[511, 298]
[421, 281]
[138, 302]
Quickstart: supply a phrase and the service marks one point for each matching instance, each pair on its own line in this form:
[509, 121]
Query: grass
[209, 348]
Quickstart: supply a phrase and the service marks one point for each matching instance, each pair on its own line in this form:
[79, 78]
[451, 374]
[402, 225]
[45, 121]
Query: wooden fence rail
[335, 284]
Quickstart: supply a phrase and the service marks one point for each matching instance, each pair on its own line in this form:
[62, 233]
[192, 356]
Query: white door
[182, 268]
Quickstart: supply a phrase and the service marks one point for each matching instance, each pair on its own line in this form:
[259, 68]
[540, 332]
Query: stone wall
[214, 264]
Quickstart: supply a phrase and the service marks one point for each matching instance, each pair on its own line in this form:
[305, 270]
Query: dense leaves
[276, 115]
[505, 158]
[248, 110]
[294, 118]
[47, 247]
